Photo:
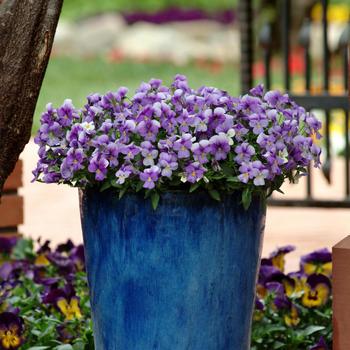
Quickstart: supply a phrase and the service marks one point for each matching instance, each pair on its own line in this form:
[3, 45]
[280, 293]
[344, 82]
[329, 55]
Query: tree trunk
[27, 29]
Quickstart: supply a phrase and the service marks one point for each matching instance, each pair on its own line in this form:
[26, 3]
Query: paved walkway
[52, 212]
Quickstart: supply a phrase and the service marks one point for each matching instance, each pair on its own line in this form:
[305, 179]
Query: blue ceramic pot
[178, 278]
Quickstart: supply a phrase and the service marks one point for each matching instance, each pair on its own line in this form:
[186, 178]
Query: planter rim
[169, 192]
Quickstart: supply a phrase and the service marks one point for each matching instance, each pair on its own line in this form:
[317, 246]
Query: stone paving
[52, 212]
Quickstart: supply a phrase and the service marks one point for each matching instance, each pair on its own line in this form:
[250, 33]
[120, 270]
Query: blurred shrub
[78, 8]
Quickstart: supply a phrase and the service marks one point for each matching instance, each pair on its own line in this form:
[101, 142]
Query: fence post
[341, 294]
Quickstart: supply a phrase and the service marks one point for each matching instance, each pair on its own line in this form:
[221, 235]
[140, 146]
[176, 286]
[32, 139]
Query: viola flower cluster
[43, 296]
[177, 137]
[298, 302]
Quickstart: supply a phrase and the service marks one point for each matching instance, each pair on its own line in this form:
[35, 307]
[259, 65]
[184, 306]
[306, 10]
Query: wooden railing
[11, 207]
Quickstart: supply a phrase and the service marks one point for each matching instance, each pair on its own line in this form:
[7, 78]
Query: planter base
[178, 278]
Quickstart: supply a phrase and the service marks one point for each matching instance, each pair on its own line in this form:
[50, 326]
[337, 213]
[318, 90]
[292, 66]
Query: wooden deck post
[11, 206]
[341, 295]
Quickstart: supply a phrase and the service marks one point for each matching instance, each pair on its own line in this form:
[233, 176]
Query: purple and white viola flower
[168, 163]
[219, 146]
[150, 176]
[194, 172]
[123, 173]
[148, 129]
[98, 165]
[244, 152]
[183, 145]
[149, 153]
[201, 150]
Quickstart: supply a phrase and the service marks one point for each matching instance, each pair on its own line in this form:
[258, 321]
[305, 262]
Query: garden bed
[44, 299]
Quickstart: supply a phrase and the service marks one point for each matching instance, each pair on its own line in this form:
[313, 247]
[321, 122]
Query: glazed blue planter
[178, 278]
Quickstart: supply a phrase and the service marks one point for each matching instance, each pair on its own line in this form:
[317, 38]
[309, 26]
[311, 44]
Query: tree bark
[27, 29]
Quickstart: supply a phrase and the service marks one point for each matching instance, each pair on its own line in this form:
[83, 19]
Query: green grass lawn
[73, 9]
[75, 79]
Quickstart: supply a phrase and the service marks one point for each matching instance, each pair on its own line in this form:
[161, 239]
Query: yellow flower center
[10, 339]
[41, 260]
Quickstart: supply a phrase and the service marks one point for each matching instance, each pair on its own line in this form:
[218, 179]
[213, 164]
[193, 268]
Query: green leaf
[155, 200]
[280, 118]
[139, 186]
[215, 195]
[64, 347]
[115, 184]
[302, 128]
[275, 328]
[122, 192]
[194, 186]
[79, 345]
[312, 329]
[246, 198]
[233, 179]
[105, 186]
[227, 170]
[24, 249]
[278, 345]
[39, 348]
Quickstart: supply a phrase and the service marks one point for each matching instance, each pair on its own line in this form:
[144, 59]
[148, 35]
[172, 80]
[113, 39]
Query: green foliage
[271, 332]
[77, 8]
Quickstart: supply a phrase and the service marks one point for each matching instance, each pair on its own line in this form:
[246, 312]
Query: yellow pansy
[69, 309]
[292, 319]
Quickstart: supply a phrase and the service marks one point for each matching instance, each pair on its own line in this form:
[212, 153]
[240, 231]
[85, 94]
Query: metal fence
[258, 41]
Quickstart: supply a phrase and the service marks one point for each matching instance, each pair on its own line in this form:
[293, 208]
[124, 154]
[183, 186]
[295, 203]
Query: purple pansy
[183, 146]
[275, 98]
[150, 176]
[168, 163]
[98, 165]
[244, 152]
[259, 173]
[149, 153]
[130, 151]
[194, 172]
[148, 129]
[219, 146]
[258, 122]
[201, 151]
[66, 113]
[321, 345]
[123, 173]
